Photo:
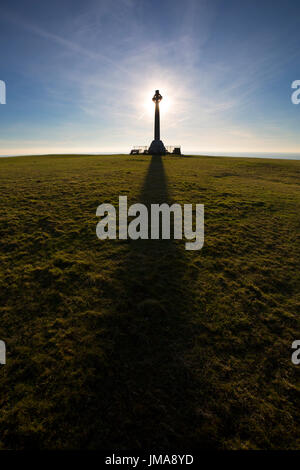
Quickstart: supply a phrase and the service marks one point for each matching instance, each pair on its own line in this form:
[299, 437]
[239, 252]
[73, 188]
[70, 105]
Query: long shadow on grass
[118, 373]
[152, 402]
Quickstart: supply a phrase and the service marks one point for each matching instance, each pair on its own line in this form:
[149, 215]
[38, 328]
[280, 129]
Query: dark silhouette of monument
[157, 147]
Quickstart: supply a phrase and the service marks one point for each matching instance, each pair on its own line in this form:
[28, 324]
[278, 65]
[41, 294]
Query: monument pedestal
[157, 148]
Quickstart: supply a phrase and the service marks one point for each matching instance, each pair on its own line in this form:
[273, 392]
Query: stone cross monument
[157, 147]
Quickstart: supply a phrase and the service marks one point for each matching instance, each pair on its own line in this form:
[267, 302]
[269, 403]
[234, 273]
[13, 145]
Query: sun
[164, 105]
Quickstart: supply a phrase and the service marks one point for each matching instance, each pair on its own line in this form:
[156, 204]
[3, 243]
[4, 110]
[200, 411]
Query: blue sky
[80, 75]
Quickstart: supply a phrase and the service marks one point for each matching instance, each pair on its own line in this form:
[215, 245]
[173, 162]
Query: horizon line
[268, 155]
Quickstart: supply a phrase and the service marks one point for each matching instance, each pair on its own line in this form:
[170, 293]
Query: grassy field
[142, 344]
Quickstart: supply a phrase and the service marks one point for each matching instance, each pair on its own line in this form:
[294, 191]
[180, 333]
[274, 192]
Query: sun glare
[164, 105]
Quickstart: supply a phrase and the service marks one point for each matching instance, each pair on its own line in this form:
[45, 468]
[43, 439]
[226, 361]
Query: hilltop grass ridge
[123, 344]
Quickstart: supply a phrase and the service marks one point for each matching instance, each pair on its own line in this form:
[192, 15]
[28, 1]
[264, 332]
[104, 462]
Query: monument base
[157, 148]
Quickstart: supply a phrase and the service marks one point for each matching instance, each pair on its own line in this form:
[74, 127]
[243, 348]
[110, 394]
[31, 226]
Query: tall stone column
[157, 147]
[157, 122]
